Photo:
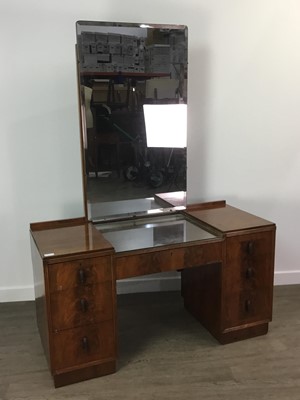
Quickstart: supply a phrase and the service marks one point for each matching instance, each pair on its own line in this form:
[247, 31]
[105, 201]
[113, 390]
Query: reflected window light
[166, 125]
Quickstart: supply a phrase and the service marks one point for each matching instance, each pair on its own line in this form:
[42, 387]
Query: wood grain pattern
[229, 219]
[79, 346]
[227, 284]
[81, 306]
[248, 279]
[69, 240]
[237, 295]
[172, 259]
[79, 273]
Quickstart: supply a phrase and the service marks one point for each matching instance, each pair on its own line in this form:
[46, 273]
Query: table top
[229, 219]
[54, 241]
[78, 236]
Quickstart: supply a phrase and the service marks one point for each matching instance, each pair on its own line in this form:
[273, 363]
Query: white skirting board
[287, 278]
[16, 293]
[136, 285]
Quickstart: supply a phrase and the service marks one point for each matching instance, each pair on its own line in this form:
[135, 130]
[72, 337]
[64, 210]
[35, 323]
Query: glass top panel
[152, 232]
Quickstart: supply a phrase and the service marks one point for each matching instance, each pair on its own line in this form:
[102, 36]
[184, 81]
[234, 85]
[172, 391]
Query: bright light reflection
[155, 211]
[166, 125]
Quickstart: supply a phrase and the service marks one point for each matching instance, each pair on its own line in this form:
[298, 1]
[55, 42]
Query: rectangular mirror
[133, 110]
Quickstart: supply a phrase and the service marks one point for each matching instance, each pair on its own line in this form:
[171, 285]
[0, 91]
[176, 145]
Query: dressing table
[225, 255]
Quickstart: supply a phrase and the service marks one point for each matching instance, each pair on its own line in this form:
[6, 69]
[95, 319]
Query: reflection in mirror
[133, 95]
[152, 232]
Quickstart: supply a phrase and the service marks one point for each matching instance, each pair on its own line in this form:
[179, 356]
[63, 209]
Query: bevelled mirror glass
[133, 108]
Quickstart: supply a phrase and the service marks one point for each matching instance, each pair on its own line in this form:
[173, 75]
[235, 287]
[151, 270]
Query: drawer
[79, 306]
[168, 260]
[246, 307]
[249, 261]
[89, 271]
[74, 347]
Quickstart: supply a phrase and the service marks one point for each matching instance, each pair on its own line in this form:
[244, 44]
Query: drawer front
[78, 306]
[82, 345]
[247, 307]
[249, 261]
[168, 260]
[89, 271]
[248, 279]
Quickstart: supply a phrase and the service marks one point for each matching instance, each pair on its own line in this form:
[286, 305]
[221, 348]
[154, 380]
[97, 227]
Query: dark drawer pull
[250, 248]
[82, 276]
[248, 305]
[84, 305]
[249, 273]
[85, 343]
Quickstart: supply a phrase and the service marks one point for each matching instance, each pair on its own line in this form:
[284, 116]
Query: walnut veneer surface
[54, 239]
[229, 219]
[227, 284]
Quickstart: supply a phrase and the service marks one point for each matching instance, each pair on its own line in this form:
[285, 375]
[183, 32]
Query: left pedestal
[75, 299]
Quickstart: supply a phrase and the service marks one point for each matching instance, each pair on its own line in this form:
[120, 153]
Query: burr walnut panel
[81, 306]
[144, 263]
[227, 283]
[248, 272]
[248, 262]
[83, 345]
[79, 273]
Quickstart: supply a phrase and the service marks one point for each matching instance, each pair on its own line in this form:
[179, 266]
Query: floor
[163, 354]
[117, 188]
[132, 183]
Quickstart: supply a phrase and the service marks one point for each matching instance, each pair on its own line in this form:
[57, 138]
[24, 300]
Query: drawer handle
[250, 248]
[82, 276]
[249, 273]
[85, 343]
[247, 305]
[84, 305]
